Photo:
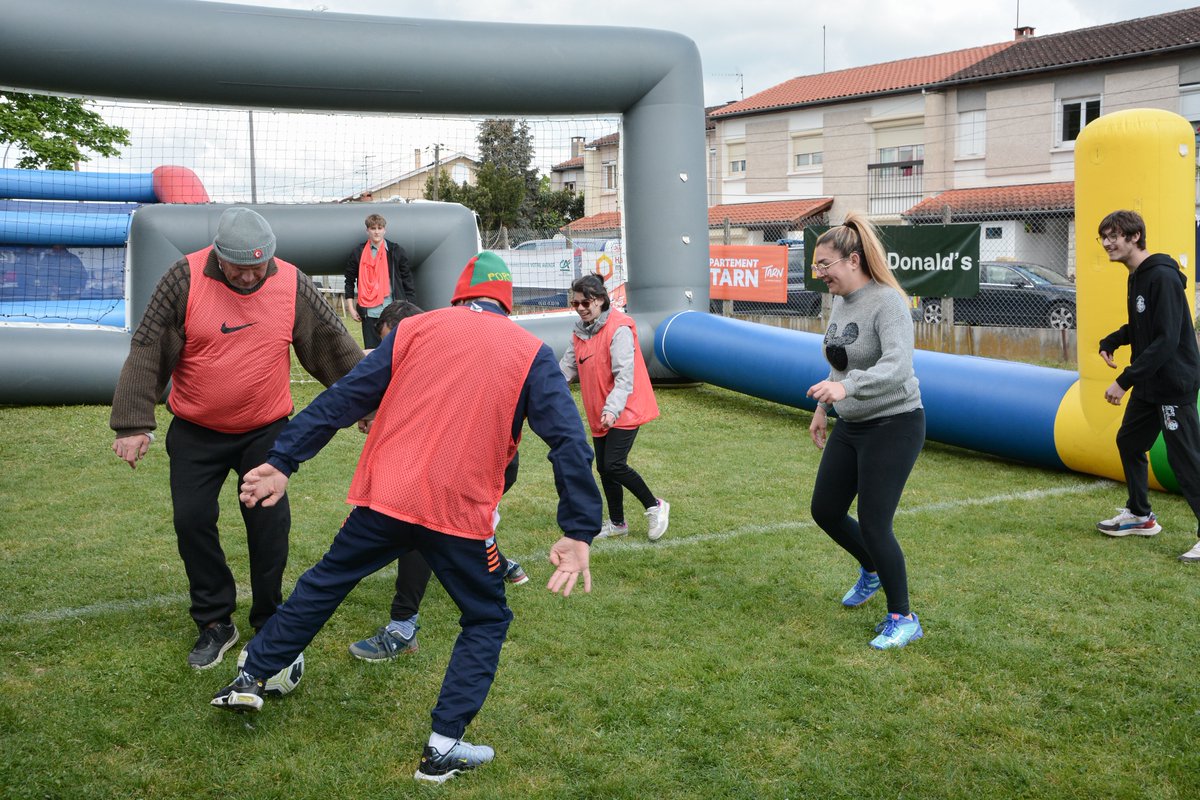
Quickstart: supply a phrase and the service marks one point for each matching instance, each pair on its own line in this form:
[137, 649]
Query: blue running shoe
[897, 632]
[384, 646]
[863, 590]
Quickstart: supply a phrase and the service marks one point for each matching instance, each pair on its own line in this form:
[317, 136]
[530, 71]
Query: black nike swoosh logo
[226, 329]
[585, 358]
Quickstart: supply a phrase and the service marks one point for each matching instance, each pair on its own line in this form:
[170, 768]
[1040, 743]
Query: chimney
[1023, 32]
[576, 146]
[417, 158]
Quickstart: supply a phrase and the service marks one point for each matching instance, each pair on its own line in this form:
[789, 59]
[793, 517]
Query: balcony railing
[895, 186]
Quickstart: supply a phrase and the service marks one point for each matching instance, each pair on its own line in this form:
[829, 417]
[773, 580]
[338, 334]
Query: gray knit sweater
[869, 345]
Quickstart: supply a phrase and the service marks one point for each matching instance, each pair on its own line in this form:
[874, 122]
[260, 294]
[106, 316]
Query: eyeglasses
[823, 268]
[581, 303]
[1108, 237]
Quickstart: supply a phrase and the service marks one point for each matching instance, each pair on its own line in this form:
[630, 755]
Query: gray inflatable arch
[210, 53]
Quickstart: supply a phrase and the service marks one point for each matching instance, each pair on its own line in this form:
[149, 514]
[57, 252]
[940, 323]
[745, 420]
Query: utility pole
[253, 177]
[365, 169]
[437, 171]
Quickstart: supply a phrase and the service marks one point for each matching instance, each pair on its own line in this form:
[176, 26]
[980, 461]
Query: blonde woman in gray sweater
[881, 423]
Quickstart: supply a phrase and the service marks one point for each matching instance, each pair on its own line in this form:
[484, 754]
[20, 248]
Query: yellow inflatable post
[1143, 160]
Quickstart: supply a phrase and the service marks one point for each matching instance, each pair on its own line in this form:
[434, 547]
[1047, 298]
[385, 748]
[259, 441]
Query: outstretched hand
[570, 559]
[263, 484]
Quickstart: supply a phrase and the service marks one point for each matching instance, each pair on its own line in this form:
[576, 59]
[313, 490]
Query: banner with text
[927, 260]
[748, 272]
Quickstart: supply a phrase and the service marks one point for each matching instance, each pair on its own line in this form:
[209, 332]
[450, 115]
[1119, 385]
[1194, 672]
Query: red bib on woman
[593, 359]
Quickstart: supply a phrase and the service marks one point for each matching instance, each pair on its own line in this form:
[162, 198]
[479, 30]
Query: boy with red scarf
[377, 274]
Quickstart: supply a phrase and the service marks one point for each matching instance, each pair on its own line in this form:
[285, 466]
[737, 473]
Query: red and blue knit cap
[486, 275]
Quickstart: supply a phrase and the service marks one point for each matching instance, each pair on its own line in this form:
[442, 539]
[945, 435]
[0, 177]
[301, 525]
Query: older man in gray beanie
[218, 327]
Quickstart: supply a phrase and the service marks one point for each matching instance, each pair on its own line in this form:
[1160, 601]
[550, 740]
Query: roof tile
[993, 200]
[909, 73]
[778, 212]
[1140, 36]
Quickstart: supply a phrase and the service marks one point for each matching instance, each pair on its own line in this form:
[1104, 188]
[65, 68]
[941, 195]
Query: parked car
[1013, 294]
[800, 302]
[542, 269]
[561, 243]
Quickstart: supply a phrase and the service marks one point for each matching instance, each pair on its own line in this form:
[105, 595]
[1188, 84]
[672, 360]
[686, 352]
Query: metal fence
[1026, 280]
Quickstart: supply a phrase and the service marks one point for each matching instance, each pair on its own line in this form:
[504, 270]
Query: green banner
[927, 260]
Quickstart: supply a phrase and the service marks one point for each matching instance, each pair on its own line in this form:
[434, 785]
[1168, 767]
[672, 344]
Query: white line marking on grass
[122, 606]
[96, 609]
[968, 502]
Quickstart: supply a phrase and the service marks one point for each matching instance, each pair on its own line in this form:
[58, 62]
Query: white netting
[76, 276]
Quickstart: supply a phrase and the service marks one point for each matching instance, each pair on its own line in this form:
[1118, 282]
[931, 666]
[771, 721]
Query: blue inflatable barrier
[1002, 407]
[77, 229]
[107, 312]
[65, 185]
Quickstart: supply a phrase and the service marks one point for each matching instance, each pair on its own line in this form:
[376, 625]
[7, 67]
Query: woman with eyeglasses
[617, 397]
[881, 423]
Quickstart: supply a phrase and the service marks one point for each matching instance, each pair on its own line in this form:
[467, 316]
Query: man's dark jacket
[1165, 362]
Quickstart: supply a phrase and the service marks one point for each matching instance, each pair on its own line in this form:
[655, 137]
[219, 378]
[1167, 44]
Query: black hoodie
[1165, 364]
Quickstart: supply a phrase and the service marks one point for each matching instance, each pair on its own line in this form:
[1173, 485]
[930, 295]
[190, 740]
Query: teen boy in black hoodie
[1165, 368]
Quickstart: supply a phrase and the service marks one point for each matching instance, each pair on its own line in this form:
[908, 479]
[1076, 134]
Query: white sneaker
[611, 530]
[1126, 523]
[1193, 554]
[658, 518]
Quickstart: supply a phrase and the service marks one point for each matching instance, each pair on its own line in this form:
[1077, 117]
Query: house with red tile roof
[568, 175]
[983, 134]
[746, 223]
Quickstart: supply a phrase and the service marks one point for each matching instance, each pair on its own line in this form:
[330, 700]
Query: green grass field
[717, 663]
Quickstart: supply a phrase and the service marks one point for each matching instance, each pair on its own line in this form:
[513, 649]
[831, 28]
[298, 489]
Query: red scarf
[374, 283]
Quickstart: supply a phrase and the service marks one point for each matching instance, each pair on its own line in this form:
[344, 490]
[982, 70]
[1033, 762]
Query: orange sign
[748, 272]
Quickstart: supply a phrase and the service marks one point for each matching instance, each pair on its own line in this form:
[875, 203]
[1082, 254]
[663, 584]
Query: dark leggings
[615, 475]
[871, 459]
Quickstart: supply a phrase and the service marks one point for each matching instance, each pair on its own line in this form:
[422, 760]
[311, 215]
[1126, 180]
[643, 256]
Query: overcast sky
[767, 42]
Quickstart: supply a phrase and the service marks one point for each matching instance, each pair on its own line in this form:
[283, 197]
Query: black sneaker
[211, 646]
[244, 694]
[438, 768]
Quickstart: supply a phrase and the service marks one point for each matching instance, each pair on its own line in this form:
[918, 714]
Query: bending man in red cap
[453, 388]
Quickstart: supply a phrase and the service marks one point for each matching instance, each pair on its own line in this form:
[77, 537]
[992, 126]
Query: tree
[499, 195]
[509, 144]
[554, 209]
[508, 192]
[53, 132]
[447, 190]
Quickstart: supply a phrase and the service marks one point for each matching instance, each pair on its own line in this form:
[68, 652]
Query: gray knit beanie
[244, 237]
